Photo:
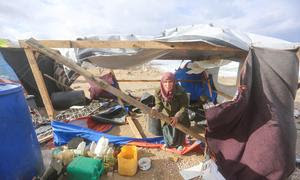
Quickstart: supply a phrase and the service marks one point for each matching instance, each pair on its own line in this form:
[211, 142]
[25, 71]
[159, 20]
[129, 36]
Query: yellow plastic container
[127, 161]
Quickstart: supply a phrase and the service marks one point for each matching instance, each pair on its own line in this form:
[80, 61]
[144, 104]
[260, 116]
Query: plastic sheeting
[6, 72]
[195, 89]
[200, 66]
[123, 58]
[223, 36]
[88, 122]
[113, 115]
[63, 133]
[117, 58]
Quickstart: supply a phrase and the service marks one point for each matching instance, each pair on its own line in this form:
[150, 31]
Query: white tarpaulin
[124, 58]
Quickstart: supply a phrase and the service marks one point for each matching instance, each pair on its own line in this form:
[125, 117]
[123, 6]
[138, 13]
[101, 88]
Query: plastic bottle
[80, 148]
[102, 146]
[93, 147]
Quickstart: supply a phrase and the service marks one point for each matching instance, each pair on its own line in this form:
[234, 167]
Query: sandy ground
[163, 165]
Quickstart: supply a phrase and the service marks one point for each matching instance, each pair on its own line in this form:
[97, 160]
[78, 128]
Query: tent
[243, 126]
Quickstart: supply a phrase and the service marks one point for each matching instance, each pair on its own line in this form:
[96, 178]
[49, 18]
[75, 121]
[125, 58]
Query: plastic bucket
[154, 126]
[127, 161]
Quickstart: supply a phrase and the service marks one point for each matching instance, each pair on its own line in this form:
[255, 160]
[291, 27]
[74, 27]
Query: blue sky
[69, 19]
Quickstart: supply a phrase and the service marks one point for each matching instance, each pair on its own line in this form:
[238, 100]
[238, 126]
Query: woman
[171, 100]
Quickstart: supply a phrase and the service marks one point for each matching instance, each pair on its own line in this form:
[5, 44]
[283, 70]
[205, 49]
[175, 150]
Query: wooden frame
[135, 44]
[39, 81]
[34, 44]
[201, 46]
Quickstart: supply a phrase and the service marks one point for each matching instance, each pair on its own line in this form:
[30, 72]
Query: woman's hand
[153, 109]
[173, 121]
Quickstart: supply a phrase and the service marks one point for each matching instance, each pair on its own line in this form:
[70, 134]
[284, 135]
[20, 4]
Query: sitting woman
[171, 100]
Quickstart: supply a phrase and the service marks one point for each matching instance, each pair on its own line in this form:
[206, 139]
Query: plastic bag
[210, 171]
[207, 170]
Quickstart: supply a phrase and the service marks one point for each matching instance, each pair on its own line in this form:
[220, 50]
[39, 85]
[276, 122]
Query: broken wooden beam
[32, 43]
[133, 127]
[45, 138]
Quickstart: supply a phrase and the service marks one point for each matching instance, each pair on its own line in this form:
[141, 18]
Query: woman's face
[168, 85]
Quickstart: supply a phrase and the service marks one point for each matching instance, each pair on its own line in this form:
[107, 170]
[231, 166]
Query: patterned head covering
[167, 95]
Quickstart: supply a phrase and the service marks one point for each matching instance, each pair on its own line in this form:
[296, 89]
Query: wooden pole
[104, 85]
[54, 80]
[201, 46]
[39, 82]
[133, 127]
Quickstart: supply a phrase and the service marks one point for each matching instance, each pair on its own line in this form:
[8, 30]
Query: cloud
[69, 19]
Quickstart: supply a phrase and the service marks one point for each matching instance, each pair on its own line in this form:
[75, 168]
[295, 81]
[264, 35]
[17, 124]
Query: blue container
[20, 153]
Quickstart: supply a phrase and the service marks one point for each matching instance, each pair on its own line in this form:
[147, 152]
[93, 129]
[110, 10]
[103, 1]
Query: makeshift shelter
[205, 42]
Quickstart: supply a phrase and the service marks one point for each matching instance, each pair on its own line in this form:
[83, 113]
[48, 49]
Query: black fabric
[17, 59]
[112, 115]
[148, 99]
[63, 77]
[64, 100]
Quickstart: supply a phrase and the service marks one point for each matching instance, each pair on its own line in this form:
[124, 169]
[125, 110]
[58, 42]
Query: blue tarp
[64, 132]
[196, 89]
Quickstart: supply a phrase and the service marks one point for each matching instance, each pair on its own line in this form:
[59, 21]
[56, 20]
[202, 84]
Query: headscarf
[167, 95]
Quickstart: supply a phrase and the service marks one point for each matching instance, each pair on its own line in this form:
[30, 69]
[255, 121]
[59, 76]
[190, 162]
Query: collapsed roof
[235, 45]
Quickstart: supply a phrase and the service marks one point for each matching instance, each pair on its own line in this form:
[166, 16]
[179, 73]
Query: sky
[70, 19]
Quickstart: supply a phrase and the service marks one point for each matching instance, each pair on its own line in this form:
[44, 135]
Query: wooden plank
[46, 138]
[104, 85]
[40, 83]
[136, 44]
[133, 127]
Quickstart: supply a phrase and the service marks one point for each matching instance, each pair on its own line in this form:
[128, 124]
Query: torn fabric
[254, 136]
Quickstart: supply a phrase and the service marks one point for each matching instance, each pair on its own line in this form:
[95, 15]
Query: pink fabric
[167, 95]
[96, 92]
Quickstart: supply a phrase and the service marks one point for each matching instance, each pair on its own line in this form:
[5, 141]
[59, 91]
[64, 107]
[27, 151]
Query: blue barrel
[20, 153]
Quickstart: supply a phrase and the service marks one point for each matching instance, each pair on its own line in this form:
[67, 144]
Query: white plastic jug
[81, 147]
[102, 146]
